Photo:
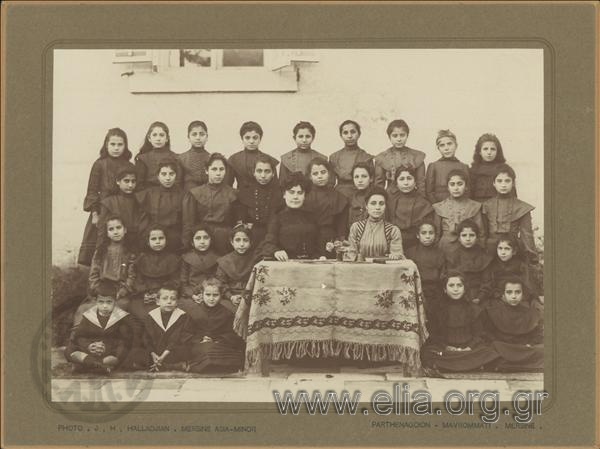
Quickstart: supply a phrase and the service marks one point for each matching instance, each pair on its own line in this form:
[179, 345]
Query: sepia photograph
[326, 215]
[287, 224]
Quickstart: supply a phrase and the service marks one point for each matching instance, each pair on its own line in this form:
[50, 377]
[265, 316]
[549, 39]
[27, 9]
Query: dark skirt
[516, 357]
[215, 357]
[88, 243]
[435, 356]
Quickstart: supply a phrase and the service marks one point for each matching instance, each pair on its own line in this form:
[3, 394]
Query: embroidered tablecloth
[359, 311]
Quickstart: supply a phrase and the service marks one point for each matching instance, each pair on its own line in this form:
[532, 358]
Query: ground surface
[187, 387]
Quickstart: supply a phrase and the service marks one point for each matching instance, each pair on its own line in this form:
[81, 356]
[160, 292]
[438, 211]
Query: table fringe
[332, 348]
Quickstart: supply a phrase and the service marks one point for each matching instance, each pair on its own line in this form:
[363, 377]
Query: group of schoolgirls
[171, 243]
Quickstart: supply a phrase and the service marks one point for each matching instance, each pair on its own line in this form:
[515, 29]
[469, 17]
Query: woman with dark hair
[292, 232]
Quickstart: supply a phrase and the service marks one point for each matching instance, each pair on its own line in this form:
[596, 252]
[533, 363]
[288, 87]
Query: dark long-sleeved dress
[213, 205]
[407, 210]
[294, 231]
[357, 207]
[517, 334]
[102, 183]
[458, 324]
[225, 352]
[193, 167]
[196, 267]
[257, 203]
[234, 270]
[147, 167]
[481, 176]
[342, 162]
[498, 271]
[242, 167]
[506, 214]
[473, 263]
[431, 262]
[153, 269]
[128, 209]
[114, 331]
[296, 160]
[330, 209]
[436, 178]
[164, 206]
[388, 161]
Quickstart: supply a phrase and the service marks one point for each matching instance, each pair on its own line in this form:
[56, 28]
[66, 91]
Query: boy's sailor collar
[155, 315]
[116, 315]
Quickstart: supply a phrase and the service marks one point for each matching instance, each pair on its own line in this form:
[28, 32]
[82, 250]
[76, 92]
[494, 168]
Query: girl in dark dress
[114, 156]
[162, 203]
[488, 156]
[329, 206]
[197, 265]
[362, 177]
[471, 259]
[507, 263]
[260, 200]
[515, 327]
[123, 204]
[234, 268]
[193, 161]
[292, 232]
[505, 213]
[154, 267]
[215, 346]
[156, 148]
[456, 342]
[212, 204]
[298, 159]
[407, 208]
[343, 161]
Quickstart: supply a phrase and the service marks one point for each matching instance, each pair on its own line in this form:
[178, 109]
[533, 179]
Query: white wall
[468, 91]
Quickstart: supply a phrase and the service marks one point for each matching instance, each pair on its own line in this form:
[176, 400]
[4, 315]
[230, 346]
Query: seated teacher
[373, 236]
[292, 233]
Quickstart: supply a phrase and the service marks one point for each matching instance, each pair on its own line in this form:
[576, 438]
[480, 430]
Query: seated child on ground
[234, 268]
[215, 346]
[515, 328]
[167, 334]
[456, 343]
[198, 264]
[471, 259]
[100, 342]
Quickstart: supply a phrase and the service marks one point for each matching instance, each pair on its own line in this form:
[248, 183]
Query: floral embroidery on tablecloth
[262, 271]
[410, 301]
[286, 295]
[384, 299]
[262, 296]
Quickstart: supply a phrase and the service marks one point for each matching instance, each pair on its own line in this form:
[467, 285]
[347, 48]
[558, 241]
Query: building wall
[468, 91]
